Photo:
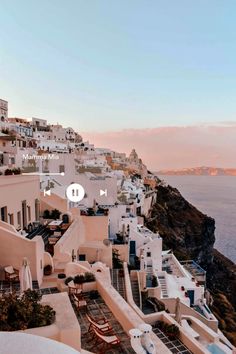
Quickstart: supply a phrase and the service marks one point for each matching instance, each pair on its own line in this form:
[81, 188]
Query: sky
[105, 67]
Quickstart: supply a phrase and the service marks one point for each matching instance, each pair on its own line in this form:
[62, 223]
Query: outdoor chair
[11, 274]
[74, 289]
[101, 325]
[79, 301]
[107, 342]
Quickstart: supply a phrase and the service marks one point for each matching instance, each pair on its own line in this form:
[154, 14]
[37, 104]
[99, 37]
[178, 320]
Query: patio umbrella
[178, 311]
[25, 276]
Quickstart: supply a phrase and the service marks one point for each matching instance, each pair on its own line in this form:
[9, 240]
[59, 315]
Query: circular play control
[75, 192]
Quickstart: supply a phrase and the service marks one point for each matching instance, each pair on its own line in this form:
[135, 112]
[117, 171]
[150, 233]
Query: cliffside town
[131, 247]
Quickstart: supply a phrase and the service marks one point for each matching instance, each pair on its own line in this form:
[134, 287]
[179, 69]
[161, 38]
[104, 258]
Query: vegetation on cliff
[190, 234]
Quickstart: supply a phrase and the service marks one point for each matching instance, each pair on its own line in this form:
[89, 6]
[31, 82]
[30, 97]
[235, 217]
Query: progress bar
[44, 174]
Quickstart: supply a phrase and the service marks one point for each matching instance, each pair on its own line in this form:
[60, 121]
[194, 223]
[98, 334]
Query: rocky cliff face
[190, 234]
[184, 229]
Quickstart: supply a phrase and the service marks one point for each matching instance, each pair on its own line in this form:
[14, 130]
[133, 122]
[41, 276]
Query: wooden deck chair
[107, 341]
[101, 325]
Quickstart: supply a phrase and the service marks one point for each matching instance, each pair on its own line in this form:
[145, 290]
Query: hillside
[190, 234]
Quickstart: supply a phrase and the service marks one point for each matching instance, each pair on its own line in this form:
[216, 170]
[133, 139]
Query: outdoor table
[55, 223]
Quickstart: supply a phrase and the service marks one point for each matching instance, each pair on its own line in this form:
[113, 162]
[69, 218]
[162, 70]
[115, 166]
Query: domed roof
[19, 343]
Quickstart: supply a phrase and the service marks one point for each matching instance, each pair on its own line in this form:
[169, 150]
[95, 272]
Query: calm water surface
[216, 197]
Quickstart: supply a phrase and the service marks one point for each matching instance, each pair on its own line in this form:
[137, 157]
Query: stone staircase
[135, 290]
[162, 282]
[118, 281]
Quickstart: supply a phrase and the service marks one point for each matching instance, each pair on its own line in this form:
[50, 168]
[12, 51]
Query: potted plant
[61, 276]
[172, 330]
[47, 270]
[89, 277]
[79, 279]
[55, 214]
[46, 214]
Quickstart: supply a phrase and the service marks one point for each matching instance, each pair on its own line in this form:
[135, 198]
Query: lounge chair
[188, 328]
[107, 341]
[100, 324]
[11, 274]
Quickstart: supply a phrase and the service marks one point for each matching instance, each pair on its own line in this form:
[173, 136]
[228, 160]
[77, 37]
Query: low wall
[124, 314]
[70, 241]
[15, 247]
[66, 328]
[188, 311]
[74, 268]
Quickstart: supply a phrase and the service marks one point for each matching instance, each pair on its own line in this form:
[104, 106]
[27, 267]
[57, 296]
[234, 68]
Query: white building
[3, 110]
[39, 123]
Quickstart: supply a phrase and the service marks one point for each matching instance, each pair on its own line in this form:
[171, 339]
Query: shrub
[16, 171]
[20, 313]
[8, 172]
[89, 277]
[154, 281]
[46, 214]
[47, 270]
[169, 329]
[68, 280]
[79, 279]
[55, 214]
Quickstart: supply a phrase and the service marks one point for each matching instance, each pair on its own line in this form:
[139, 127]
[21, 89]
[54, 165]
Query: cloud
[175, 146]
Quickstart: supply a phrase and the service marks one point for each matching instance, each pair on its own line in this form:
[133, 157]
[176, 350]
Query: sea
[216, 197]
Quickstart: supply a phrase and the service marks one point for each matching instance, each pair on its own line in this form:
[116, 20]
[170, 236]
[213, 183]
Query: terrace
[195, 270]
[173, 344]
[144, 231]
[98, 309]
[51, 232]
[172, 266]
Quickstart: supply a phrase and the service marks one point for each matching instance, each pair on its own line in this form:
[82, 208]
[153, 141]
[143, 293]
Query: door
[24, 214]
[132, 248]
[191, 296]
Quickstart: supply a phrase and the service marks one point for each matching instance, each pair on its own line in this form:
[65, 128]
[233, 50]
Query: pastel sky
[176, 147]
[107, 66]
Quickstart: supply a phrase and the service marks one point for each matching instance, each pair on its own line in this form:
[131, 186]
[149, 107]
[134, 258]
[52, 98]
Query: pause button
[75, 192]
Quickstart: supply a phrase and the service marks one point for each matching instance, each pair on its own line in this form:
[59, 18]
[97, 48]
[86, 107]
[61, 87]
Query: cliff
[190, 234]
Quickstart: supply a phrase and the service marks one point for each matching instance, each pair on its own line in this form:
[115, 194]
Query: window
[11, 219]
[82, 257]
[29, 213]
[4, 213]
[149, 254]
[19, 218]
[61, 168]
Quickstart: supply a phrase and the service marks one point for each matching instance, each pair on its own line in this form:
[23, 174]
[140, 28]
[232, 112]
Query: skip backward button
[47, 192]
